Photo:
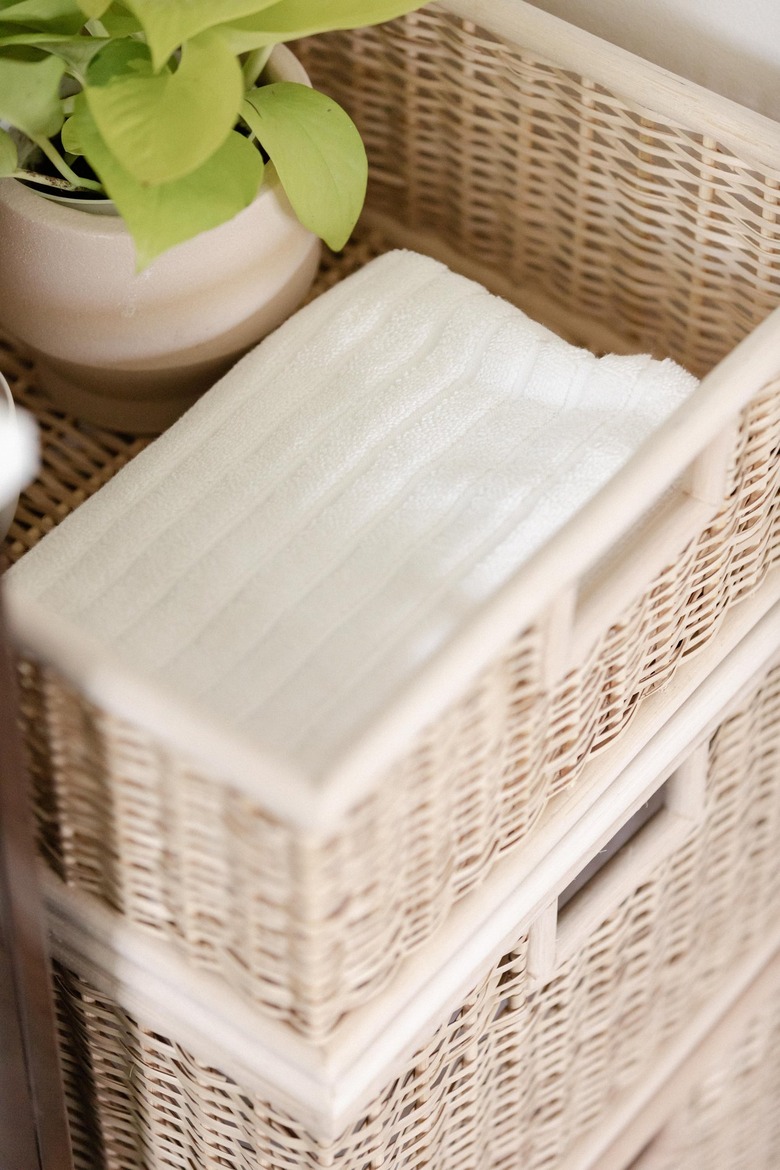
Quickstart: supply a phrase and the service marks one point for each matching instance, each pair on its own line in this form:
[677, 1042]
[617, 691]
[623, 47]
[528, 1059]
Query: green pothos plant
[160, 106]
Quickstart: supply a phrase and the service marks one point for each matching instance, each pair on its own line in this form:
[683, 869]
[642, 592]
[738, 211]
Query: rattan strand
[519, 1073]
[558, 186]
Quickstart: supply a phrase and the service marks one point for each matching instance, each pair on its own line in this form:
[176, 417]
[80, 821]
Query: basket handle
[646, 838]
[579, 618]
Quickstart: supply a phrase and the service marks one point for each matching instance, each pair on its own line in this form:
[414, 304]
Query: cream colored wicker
[626, 208]
[591, 1005]
[718, 1111]
[730, 1118]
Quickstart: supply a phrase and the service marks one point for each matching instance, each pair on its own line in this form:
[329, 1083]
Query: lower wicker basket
[586, 1003]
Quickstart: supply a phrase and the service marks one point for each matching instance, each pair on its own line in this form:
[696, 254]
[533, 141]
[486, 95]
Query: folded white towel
[325, 518]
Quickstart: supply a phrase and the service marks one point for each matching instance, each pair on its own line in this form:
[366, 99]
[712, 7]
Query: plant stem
[43, 180]
[254, 65]
[58, 161]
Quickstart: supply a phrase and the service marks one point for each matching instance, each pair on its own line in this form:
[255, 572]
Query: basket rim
[636, 80]
[329, 1081]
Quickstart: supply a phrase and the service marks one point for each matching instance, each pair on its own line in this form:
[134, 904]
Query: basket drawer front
[558, 1034]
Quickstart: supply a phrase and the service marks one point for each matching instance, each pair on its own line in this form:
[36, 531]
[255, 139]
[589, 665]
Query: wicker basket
[591, 1005]
[629, 210]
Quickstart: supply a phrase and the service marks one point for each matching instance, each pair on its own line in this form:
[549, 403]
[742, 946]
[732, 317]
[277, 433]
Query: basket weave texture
[559, 186]
[730, 1119]
[525, 1067]
[611, 217]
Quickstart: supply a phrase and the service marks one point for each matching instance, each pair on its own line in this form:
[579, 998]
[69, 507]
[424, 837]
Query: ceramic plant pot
[132, 351]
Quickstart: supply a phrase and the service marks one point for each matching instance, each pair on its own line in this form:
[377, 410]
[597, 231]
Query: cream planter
[133, 351]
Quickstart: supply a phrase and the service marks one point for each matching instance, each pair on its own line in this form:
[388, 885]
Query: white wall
[731, 46]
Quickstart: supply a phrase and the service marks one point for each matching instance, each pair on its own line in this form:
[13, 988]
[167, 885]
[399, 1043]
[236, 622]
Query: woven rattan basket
[593, 1002]
[627, 209]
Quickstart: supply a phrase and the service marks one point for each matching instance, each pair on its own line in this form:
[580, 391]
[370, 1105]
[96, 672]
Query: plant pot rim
[33, 205]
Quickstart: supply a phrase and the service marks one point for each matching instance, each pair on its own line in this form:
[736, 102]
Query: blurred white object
[18, 455]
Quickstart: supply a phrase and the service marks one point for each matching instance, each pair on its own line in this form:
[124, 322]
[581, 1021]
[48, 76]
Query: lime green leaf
[10, 36]
[70, 137]
[318, 154]
[160, 217]
[53, 16]
[170, 24]
[94, 8]
[120, 58]
[289, 19]
[29, 95]
[8, 158]
[163, 126]
[76, 52]
[118, 22]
